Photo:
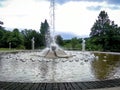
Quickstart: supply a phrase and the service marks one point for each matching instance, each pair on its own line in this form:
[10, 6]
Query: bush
[20, 47]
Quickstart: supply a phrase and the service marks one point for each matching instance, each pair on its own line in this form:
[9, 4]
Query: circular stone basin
[30, 66]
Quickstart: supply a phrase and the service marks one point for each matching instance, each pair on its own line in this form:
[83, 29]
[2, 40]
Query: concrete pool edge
[106, 84]
[117, 53]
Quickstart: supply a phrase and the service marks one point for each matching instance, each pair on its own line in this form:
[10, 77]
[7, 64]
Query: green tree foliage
[105, 33]
[28, 35]
[90, 46]
[16, 39]
[59, 40]
[2, 32]
[67, 44]
[4, 37]
[101, 25]
[73, 43]
[23, 39]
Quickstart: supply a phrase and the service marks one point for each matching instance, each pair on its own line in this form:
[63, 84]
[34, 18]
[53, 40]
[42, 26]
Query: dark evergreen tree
[103, 32]
[101, 25]
[44, 29]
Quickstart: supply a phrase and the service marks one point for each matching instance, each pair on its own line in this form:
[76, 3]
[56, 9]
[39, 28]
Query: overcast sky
[74, 16]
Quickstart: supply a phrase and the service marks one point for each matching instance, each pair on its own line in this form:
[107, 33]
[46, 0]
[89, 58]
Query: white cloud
[71, 17]
[24, 13]
[74, 17]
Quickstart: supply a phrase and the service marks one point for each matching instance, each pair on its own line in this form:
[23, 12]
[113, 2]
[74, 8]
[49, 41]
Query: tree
[59, 40]
[101, 25]
[16, 39]
[92, 46]
[2, 31]
[75, 43]
[28, 35]
[44, 29]
[103, 32]
[4, 37]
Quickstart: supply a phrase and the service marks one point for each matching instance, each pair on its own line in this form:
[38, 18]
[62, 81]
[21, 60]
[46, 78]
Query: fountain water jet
[53, 50]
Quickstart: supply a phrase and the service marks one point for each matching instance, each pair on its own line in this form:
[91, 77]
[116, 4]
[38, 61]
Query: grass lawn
[7, 50]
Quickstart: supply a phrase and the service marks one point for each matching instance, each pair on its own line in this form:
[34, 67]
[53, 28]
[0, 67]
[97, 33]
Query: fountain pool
[31, 67]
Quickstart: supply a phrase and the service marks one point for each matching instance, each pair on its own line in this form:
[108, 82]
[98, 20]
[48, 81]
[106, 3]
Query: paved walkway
[93, 85]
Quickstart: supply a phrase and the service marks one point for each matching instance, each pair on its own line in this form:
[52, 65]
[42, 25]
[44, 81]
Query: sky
[71, 16]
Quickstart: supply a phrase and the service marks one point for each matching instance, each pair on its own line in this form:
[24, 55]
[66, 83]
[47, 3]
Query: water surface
[28, 67]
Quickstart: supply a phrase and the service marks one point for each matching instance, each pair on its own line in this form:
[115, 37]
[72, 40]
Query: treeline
[21, 39]
[104, 36]
[18, 39]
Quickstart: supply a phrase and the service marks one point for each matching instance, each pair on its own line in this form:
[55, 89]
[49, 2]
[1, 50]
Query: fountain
[52, 64]
[52, 51]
